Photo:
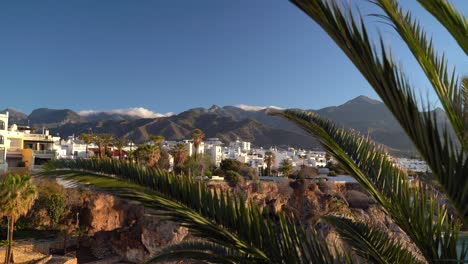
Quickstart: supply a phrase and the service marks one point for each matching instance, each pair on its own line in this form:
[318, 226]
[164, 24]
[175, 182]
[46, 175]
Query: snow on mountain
[134, 111]
[257, 108]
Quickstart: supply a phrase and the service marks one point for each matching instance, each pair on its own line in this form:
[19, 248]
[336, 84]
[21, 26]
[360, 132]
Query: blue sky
[169, 56]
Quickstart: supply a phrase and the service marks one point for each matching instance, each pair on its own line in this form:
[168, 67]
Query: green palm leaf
[454, 21]
[196, 250]
[371, 243]
[448, 163]
[446, 85]
[430, 227]
[215, 216]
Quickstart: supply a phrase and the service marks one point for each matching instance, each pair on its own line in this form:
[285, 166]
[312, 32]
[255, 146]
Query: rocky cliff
[117, 227]
[121, 228]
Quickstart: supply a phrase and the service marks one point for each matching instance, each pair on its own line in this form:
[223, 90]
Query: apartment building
[3, 141]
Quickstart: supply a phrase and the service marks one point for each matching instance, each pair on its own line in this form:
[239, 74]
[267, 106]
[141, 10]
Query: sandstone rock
[119, 227]
[157, 233]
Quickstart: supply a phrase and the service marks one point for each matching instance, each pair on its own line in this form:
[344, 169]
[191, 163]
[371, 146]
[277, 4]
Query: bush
[230, 165]
[335, 167]
[331, 173]
[233, 178]
[55, 208]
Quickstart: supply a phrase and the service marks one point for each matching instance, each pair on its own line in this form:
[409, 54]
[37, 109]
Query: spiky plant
[428, 224]
[232, 230]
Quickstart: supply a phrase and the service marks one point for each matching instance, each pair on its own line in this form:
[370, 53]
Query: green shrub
[233, 178]
[55, 208]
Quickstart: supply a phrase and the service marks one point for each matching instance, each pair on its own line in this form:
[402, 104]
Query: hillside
[228, 123]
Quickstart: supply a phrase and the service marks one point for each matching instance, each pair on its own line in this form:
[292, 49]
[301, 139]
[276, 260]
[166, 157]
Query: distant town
[22, 147]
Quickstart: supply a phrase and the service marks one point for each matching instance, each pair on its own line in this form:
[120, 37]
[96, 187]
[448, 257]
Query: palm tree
[270, 160]
[88, 139]
[157, 139]
[180, 155]
[286, 167]
[120, 143]
[17, 195]
[197, 136]
[102, 141]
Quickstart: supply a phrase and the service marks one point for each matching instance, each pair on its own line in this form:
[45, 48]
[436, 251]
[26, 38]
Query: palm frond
[165, 207]
[430, 227]
[196, 250]
[213, 215]
[449, 164]
[454, 21]
[445, 83]
[370, 243]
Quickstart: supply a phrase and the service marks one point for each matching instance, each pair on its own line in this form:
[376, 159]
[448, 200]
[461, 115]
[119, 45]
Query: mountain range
[228, 123]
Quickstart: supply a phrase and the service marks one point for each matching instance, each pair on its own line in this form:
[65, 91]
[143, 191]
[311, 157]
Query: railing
[44, 152]
[37, 137]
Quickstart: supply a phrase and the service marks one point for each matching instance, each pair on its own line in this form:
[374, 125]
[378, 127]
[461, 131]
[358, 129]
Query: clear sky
[168, 56]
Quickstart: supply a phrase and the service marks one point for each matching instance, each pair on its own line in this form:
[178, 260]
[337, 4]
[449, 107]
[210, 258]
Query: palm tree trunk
[10, 240]
[8, 233]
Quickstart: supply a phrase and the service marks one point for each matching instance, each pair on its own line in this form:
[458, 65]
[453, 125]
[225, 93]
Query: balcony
[38, 137]
[44, 154]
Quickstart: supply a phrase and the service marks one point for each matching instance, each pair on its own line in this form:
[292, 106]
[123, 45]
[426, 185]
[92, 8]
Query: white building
[76, 148]
[412, 165]
[215, 153]
[240, 146]
[191, 147]
[3, 141]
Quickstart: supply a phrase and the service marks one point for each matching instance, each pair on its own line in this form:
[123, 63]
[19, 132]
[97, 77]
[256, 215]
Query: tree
[180, 155]
[17, 195]
[157, 139]
[148, 154]
[88, 139]
[197, 136]
[230, 165]
[164, 161]
[200, 166]
[233, 178]
[120, 143]
[55, 207]
[269, 160]
[286, 168]
[102, 141]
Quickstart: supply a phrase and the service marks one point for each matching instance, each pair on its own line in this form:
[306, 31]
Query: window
[2, 125]
[1, 140]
